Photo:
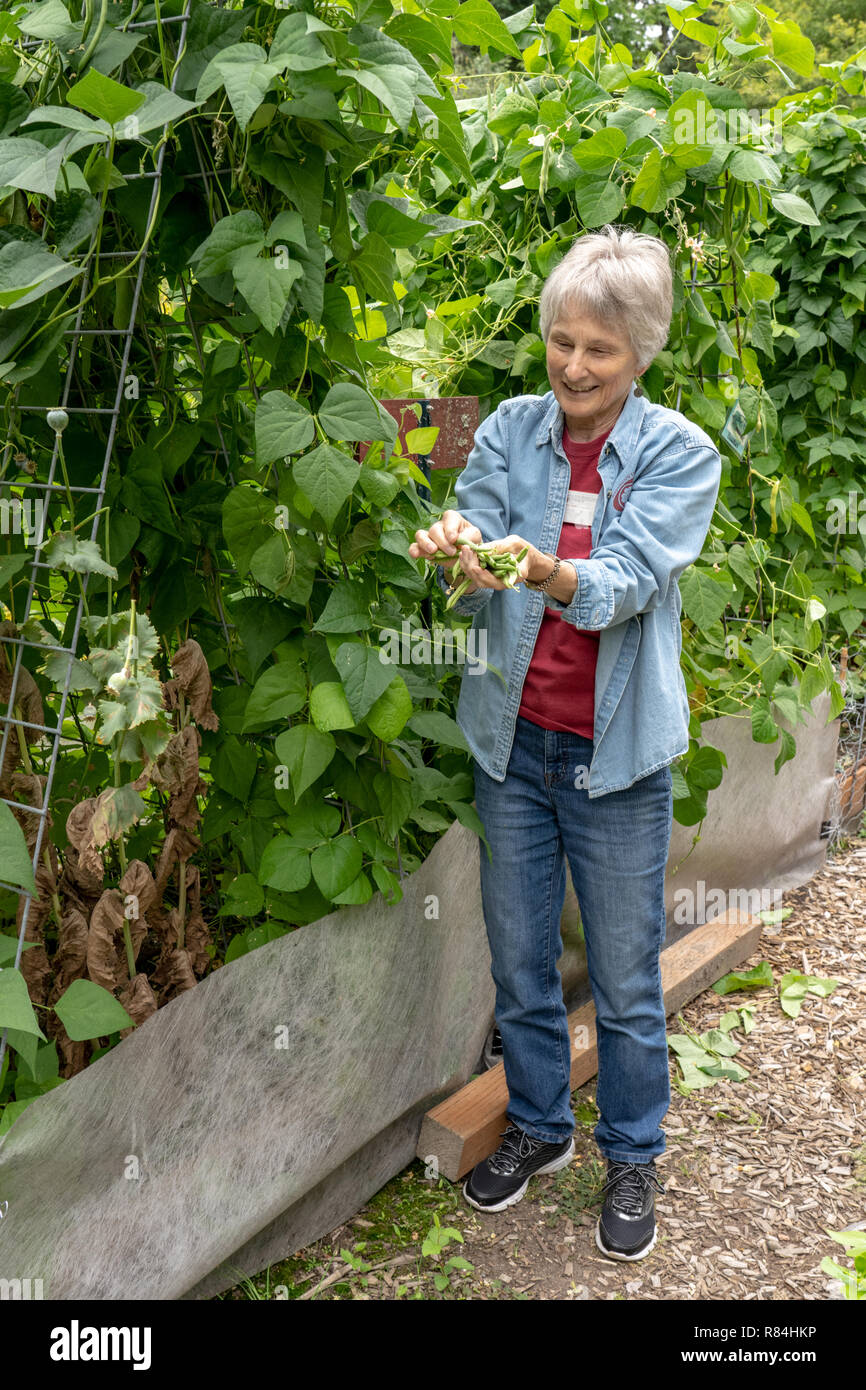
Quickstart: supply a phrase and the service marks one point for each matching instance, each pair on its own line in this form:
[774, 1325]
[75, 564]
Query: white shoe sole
[615, 1255]
[552, 1167]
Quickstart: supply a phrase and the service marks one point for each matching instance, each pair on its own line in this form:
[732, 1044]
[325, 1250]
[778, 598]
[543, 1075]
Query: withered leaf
[116, 809]
[106, 949]
[196, 941]
[79, 832]
[29, 788]
[139, 1001]
[27, 697]
[193, 677]
[70, 958]
[174, 972]
[35, 965]
[176, 772]
[179, 845]
[138, 883]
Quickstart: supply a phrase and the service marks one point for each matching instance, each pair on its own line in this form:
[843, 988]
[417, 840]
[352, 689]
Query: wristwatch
[543, 584]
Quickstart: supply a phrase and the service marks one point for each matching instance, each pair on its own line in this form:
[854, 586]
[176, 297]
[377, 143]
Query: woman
[574, 724]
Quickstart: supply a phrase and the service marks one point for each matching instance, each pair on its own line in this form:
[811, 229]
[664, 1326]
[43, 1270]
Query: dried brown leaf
[196, 941]
[192, 676]
[79, 832]
[138, 883]
[27, 695]
[78, 883]
[70, 958]
[106, 950]
[176, 772]
[139, 1001]
[29, 788]
[174, 973]
[35, 965]
[179, 846]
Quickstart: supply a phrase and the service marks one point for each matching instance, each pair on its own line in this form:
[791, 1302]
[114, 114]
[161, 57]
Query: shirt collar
[622, 438]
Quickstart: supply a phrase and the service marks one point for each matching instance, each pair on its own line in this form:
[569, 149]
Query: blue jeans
[617, 848]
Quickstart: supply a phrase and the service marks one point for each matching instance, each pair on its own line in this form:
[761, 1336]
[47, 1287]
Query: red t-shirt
[559, 689]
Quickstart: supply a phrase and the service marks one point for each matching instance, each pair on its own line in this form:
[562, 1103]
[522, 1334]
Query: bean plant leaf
[347, 609]
[117, 809]
[326, 476]
[329, 708]
[796, 209]
[306, 751]
[266, 285]
[103, 97]
[15, 863]
[284, 865]
[759, 977]
[241, 897]
[794, 986]
[348, 413]
[387, 717]
[86, 1010]
[27, 272]
[241, 232]
[247, 521]
[297, 46]
[395, 798]
[272, 564]
[440, 727]
[478, 24]
[243, 70]
[67, 551]
[161, 107]
[279, 692]
[16, 1010]
[50, 20]
[363, 673]
[27, 164]
[336, 864]
[283, 426]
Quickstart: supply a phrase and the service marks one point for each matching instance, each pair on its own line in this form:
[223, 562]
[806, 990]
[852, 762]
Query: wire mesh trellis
[848, 800]
[50, 487]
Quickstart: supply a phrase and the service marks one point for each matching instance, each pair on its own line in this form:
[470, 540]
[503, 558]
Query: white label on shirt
[580, 508]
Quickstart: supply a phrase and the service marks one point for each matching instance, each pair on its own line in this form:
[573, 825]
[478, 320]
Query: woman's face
[590, 366]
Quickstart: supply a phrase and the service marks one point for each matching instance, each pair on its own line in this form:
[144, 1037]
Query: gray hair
[615, 274]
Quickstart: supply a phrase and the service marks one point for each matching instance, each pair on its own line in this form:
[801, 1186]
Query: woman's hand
[442, 535]
[535, 565]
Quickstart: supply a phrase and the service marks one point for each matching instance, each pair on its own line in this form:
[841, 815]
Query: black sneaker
[626, 1229]
[501, 1180]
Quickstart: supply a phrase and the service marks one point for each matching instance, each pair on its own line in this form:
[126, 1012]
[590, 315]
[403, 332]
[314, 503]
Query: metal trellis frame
[7, 720]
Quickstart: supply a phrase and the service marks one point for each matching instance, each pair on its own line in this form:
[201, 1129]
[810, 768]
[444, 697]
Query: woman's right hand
[442, 535]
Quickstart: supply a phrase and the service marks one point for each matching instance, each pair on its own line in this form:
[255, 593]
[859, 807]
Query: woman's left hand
[535, 565]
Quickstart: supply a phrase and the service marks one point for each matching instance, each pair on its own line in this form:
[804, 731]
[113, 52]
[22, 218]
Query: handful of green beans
[502, 563]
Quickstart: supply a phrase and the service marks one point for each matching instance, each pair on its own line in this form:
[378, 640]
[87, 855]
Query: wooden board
[462, 1130]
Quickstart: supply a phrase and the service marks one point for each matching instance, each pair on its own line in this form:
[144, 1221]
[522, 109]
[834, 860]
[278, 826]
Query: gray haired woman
[580, 711]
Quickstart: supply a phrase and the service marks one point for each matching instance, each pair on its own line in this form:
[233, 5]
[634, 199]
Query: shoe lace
[631, 1181]
[516, 1145]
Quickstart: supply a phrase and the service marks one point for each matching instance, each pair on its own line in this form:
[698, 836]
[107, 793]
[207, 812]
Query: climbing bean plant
[341, 221]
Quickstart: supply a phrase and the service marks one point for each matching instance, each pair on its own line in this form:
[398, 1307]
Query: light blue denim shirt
[660, 479]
